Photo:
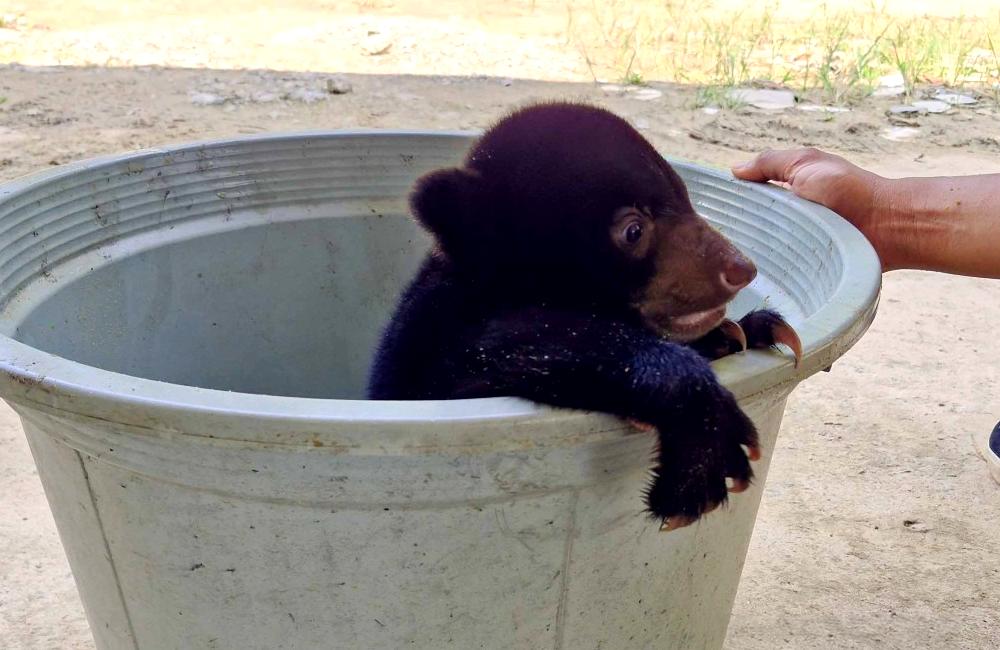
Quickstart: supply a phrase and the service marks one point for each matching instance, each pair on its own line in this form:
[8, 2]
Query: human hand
[831, 181]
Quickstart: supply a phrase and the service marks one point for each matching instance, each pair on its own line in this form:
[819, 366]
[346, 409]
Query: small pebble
[376, 44]
[338, 86]
[916, 526]
[206, 99]
[646, 94]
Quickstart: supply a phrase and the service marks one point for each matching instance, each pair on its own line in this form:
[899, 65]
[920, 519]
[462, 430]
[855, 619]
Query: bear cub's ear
[445, 203]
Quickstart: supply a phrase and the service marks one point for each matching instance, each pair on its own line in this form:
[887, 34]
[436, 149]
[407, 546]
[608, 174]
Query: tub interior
[287, 299]
[284, 307]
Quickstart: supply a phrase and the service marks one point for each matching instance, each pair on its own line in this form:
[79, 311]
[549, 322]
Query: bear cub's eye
[633, 232]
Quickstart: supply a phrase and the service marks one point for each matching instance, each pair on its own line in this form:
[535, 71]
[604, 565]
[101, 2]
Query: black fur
[525, 296]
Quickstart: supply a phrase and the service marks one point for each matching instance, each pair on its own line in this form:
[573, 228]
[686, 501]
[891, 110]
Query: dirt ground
[879, 526]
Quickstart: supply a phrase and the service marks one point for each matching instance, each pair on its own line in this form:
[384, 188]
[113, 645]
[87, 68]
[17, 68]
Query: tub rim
[37, 379]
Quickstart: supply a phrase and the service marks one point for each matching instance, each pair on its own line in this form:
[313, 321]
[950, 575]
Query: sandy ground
[879, 525]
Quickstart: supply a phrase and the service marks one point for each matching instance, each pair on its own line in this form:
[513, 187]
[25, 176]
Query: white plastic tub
[186, 334]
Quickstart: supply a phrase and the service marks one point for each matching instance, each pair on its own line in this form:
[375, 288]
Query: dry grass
[838, 54]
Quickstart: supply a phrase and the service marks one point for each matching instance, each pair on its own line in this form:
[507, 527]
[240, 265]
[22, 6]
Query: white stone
[646, 94]
[955, 99]
[891, 85]
[897, 133]
[889, 91]
[206, 99]
[764, 98]
[306, 95]
[932, 105]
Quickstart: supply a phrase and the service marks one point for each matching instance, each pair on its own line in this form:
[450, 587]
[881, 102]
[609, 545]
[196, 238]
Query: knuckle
[765, 155]
[809, 154]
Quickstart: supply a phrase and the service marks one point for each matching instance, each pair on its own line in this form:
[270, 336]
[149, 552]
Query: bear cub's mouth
[694, 325]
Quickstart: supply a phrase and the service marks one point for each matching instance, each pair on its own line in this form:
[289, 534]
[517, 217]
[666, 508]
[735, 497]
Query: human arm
[948, 223]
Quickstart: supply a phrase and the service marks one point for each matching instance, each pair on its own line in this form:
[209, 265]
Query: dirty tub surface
[185, 334]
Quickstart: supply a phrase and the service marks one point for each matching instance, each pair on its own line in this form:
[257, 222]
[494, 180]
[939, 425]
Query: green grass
[995, 62]
[717, 96]
[633, 78]
[837, 56]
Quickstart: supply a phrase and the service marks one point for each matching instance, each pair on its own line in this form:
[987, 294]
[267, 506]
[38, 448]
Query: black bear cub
[571, 269]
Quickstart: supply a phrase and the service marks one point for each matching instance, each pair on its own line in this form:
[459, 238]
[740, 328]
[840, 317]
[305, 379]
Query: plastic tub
[186, 334]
